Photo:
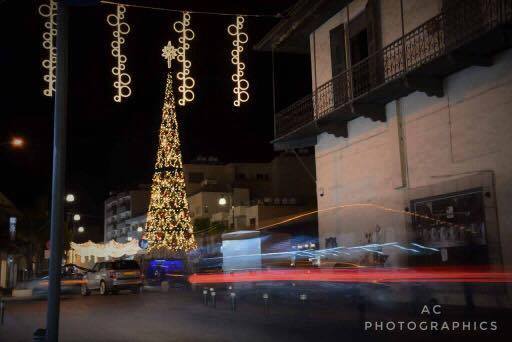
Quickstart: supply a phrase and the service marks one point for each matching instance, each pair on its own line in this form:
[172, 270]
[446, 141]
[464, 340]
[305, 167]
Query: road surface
[180, 315]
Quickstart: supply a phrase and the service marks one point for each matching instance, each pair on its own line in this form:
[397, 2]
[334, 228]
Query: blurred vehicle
[113, 276]
[173, 271]
[71, 281]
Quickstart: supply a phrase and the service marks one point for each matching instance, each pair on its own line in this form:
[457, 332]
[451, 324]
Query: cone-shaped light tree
[168, 227]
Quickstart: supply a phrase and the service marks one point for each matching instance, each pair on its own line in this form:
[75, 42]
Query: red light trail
[361, 275]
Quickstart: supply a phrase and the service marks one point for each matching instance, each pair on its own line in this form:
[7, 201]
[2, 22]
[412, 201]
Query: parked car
[111, 276]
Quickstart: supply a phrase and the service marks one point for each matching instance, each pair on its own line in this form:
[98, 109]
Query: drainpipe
[274, 91]
[348, 55]
[403, 34]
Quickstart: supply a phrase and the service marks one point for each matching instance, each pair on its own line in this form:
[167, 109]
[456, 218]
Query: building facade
[122, 210]
[250, 191]
[411, 121]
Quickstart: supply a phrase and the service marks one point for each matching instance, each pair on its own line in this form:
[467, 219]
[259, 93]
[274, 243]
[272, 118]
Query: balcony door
[338, 94]
[355, 46]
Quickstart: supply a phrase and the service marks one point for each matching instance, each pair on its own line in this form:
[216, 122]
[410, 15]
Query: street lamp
[81, 229]
[140, 229]
[223, 201]
[17, 142]
[70, 198]
[76, 217]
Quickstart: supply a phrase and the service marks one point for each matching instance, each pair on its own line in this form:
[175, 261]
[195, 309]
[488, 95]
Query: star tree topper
[169, 52]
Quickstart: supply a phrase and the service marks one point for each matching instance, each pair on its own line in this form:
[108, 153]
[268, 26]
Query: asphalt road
[180, 315]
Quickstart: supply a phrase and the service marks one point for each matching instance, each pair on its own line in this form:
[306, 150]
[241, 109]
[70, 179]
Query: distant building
[120, 211]
[252, 192]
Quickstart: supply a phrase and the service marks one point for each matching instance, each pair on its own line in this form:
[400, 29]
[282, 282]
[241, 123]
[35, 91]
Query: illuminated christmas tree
[168, 227]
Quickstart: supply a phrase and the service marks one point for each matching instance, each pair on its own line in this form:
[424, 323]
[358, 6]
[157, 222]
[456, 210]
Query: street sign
[12, 228]
[143, 243]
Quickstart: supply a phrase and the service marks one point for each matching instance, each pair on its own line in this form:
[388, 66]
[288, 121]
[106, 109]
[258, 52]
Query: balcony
[466, 35]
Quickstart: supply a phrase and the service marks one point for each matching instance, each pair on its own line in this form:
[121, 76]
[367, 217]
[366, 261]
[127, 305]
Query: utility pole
[58, 173]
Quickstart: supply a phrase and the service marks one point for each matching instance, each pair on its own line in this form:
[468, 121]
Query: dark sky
[112, 146]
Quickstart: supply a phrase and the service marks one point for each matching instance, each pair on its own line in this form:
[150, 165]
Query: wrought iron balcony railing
[454, 27]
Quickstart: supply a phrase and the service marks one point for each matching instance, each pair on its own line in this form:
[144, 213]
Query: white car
[111, 276]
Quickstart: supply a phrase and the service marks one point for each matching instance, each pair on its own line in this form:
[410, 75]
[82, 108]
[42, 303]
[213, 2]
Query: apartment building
[121, 210]
[238, 193]
[411, 122]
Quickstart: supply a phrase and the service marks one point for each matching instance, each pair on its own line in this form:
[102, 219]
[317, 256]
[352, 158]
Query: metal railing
[455, 26]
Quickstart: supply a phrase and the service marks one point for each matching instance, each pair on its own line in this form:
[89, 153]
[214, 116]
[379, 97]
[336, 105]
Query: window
[125, 265]
[456, 223]
[195, 177]
[361, 39]
[358, 40]
[331, 242]
[240, 176]
[358, 44]
[252, 222]
[262, 176]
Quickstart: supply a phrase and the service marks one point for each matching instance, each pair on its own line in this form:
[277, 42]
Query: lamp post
[58, 173]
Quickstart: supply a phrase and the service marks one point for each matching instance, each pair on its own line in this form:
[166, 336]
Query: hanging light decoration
[49, 11]
[121, 28]
[169, 52]
[241, 85]
[187, 82]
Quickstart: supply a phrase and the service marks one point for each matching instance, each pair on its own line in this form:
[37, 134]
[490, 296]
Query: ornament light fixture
[241, 85]
[49, 11]
[121, 28]
[187, 82]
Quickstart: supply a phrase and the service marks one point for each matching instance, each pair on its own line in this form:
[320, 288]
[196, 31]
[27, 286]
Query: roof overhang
[291, 34]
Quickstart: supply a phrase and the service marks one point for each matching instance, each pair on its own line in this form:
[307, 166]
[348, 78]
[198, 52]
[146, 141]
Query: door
[339, 84]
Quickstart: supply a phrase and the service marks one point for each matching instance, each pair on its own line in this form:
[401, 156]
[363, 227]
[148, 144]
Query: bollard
[2, 311]
[39, 335]
[211, 290]
[205, 296]
[265, 301]
[214, 304]
[303, 297]
[233, 301]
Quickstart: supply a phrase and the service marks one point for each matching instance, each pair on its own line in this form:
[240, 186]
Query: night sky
[112, 146]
